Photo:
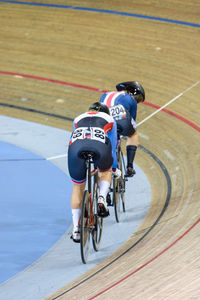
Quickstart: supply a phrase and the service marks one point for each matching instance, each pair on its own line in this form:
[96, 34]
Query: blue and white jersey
[96, 126]
[123, 98]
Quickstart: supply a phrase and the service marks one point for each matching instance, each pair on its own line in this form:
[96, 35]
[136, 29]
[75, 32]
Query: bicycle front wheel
[85, 227]
[97, 232]
[116, 199]
[122, 179]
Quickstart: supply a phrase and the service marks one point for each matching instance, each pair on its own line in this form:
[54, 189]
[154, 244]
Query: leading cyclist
[94, 131]
[123, 108]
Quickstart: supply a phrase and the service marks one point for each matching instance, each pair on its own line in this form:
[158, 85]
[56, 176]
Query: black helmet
[98, 106]
[133, 87]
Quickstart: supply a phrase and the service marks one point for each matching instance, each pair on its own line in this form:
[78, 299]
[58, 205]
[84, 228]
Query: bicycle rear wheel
[85, 227]
[98, 221]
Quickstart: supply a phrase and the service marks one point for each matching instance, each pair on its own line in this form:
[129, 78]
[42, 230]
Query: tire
[98, 221]
[85, 227]
[116, 199]
[122, 180]
[97, 232]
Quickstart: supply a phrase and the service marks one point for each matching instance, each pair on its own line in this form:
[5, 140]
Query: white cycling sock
[76, 213]
[103, 188]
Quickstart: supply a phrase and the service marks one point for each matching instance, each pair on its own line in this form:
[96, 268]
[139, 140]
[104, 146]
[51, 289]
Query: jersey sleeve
[112, 135]
[70, 140]
[102, 98]
[133, 110]
[74, 125]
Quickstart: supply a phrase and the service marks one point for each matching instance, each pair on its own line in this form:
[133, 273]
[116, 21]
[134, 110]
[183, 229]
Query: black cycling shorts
[125, 127]
[76, 164]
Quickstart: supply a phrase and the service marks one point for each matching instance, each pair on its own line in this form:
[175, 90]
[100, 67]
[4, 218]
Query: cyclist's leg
[133, 139]
[77, 195]
[76, 200]
[104, 182]
[131, 148]
[104, 163]
[129, 130]
[77, 171]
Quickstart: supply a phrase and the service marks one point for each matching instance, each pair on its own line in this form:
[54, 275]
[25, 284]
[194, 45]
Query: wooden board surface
[59, 48]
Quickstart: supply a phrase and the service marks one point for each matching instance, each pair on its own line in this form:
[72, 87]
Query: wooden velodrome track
[44, 49]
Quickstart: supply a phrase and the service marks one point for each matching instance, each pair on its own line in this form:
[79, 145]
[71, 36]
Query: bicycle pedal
[108, 200]
[102, 212]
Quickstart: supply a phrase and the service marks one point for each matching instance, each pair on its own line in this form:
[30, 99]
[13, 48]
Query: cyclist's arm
[74, 127]
[113, 138]
[130, 104]
[133, 109]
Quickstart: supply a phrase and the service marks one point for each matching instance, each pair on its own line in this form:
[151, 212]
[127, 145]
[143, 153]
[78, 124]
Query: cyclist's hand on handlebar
[116, 173]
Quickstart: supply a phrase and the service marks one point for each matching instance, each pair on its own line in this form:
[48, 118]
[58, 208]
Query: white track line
[172, 100]
[56, 157]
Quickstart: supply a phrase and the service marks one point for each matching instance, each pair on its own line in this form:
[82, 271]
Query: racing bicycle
[90, 224]
[118, 185]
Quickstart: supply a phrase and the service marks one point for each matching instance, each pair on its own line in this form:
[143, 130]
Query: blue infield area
[34, 211]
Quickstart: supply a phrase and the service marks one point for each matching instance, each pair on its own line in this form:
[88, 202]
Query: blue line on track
[104, 11]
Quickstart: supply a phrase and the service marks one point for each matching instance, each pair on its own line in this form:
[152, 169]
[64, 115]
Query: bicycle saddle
[87, 154]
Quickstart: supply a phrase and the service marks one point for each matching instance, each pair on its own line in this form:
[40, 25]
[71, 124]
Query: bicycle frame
[89, 161]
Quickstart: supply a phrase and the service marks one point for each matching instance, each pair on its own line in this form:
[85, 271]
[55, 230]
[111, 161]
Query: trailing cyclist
[94, 131]
[123, 108]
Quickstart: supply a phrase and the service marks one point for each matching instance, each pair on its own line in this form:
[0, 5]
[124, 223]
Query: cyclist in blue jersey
[94, 131]
[123, 108]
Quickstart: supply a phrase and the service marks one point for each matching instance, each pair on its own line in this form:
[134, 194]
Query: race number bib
[93, 133]
[118, 112]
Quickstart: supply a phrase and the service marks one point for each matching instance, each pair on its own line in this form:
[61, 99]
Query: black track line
[35, 111]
